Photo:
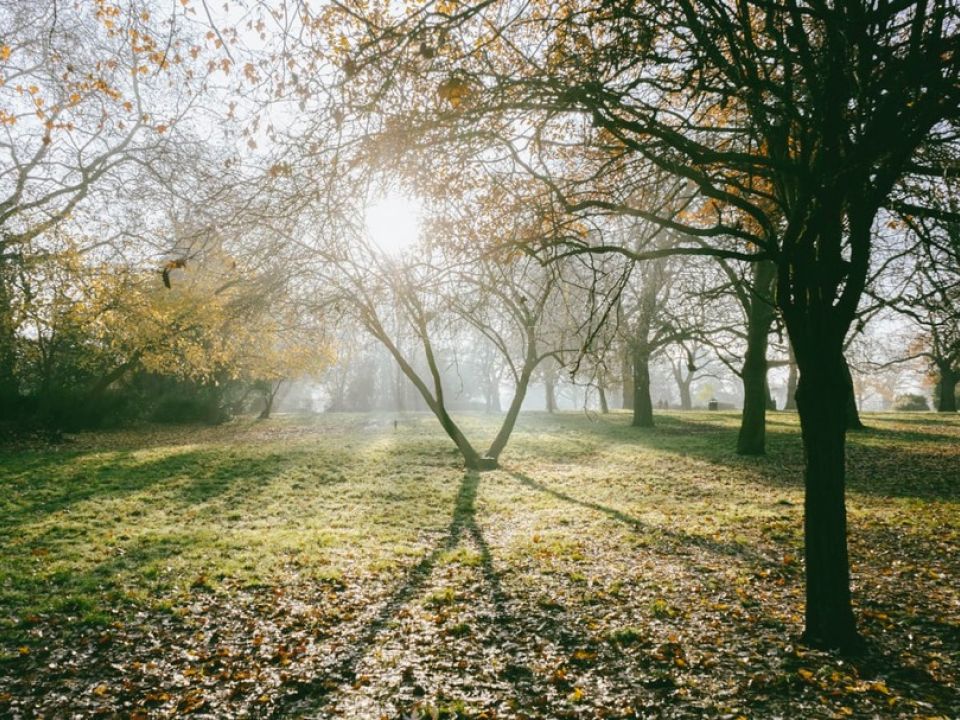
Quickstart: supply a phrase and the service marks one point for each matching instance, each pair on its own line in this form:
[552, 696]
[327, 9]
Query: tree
[95, 103]
[931, 300]
[417, 307]
[800, 117]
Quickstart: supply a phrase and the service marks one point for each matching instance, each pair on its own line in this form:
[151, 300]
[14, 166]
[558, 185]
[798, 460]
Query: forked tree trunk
[530, 362]
[821, 402]
[947, 397]
[642, 404]
[471, 458]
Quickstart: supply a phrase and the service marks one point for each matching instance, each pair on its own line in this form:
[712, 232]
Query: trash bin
[713, 404]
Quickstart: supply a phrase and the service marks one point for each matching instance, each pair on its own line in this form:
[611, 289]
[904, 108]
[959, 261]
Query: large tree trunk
[642, 404]
[947, 397]
[604, 405]
[818, 325]
[821, 402]
[753, 424]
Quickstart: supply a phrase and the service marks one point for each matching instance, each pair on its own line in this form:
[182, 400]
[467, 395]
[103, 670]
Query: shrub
[910, 402]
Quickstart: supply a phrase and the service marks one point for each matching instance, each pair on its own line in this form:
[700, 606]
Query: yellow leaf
[805, 674]
[5, 51]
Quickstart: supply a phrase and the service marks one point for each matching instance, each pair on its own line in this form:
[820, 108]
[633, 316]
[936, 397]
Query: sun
[393, 222]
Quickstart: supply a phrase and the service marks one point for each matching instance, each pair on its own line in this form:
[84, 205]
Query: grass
[336, 565]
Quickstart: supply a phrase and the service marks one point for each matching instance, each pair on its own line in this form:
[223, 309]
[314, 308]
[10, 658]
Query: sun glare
[393, 222]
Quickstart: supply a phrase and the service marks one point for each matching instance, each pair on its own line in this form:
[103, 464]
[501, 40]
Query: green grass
[596, 538]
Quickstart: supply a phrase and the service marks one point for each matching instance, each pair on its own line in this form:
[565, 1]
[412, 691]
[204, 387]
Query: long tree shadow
[679, 537]
[313, 695]
[915, 458]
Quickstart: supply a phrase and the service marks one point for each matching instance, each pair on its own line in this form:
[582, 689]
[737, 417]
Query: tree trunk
[604, 406]
[642, 404]
[9, 385]
[683, 386]
[489, 461]
[550, 391]
[627, 373]
[753, 424]
[268, 397]
[100, 387]
[770, 400]
[492, 399]
[510, 420]
[471, 458]
[791, 402]
[851, 413]
[821, 402]
[686, 402]
[399, 390]
[947, 401]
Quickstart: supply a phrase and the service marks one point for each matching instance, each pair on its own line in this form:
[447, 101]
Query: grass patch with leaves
[338, 567]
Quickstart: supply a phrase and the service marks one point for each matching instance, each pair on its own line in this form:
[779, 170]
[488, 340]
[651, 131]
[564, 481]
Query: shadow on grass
[678, 537]
[97, 597]
[86, 557]
[36, 489]
[313, 695]
[881, 461]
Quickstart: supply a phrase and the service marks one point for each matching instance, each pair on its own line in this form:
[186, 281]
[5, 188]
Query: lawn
[336, 566]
